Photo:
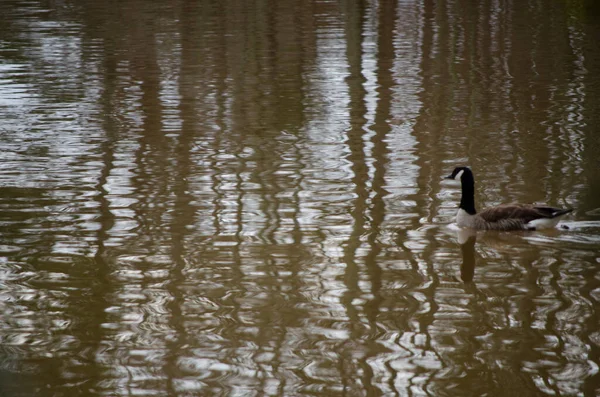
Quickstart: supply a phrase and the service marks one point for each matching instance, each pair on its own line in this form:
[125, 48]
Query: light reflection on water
[227, 199]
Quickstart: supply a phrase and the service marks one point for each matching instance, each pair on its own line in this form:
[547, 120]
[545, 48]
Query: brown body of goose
[501, 217]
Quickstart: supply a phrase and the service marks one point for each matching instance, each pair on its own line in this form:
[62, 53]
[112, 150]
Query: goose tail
[561, 212]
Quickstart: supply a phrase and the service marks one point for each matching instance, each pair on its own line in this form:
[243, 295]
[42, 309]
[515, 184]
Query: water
[224, 198]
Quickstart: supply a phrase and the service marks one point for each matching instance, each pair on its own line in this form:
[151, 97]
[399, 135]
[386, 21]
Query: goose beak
[448, 177]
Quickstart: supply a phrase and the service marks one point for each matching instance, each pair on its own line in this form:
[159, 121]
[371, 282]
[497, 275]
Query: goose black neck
[467, 201]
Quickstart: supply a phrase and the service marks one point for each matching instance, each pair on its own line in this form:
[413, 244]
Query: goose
[504, 216]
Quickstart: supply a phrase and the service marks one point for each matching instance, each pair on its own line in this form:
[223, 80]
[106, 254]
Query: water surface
[246, 199]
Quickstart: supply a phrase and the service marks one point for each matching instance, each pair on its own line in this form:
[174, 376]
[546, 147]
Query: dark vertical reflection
[467, 267]
[106, 219]
[429, 128]
[183, 210]
[386, 15]
[280, 72]
[354, 31]
[386, 18]
[152, 185]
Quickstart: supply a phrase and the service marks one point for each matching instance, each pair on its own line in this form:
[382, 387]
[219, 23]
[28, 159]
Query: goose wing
[523, 212]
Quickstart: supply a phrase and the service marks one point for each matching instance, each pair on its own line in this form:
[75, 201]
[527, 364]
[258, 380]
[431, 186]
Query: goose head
[459, 173]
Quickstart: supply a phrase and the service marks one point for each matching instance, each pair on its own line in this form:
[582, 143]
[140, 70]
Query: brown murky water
[246, 198]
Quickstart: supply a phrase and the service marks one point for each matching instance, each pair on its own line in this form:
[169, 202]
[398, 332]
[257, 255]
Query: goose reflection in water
[501, 242]
[466, 239]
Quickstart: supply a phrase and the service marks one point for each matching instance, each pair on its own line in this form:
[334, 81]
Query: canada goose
[501, 217]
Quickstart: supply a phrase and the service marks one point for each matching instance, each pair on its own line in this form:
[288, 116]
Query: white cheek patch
[459, 175]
